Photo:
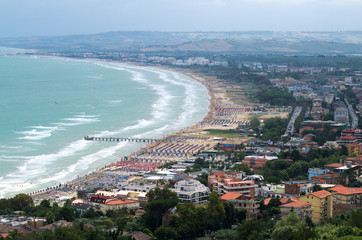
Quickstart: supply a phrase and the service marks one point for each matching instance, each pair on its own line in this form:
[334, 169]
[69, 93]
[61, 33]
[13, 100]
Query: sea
[48, 105]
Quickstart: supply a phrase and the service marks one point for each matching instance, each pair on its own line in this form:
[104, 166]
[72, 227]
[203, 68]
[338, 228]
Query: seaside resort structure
[191, 191]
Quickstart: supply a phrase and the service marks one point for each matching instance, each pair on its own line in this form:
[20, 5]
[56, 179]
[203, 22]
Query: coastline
[72, 184]
[220, 106]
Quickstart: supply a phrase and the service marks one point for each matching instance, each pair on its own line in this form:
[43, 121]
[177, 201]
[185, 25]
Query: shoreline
[218, 99]
[99, 171]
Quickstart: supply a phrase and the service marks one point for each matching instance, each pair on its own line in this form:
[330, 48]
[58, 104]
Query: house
[99, 198]
[239, 201]
[348, 139]
[354, 148]
[345, 198]
[322, 204]
[235, 185]
[316, 172]
[302, 209]
[305, 128]
[52, 226]
[116, 204]
[298, 187]
[332, 166]
[346, 173]
[251, 206]
[81, 207]
[217, 176]
[233, 196]
[138, 235]
[353, 132]
[192, 191]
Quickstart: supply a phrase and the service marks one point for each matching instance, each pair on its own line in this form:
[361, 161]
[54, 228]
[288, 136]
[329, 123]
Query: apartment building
[322, 204]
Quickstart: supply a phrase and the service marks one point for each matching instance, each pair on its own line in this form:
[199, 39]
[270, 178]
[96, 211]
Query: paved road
[352, 114]
[291, 129]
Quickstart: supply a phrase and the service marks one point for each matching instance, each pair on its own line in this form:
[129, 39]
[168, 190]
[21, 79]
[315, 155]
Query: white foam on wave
[78, 120]
[158, 132]
[38, 132]
[36, 165]
[160, 106]
[41, 132]
[114, 101]
[190, 101]
[140, 124]
[100, 76]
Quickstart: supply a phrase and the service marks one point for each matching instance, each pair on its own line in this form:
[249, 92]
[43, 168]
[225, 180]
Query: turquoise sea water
[49, 104]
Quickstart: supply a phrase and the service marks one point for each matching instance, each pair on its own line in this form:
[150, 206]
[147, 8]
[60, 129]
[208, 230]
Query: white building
[191, 191]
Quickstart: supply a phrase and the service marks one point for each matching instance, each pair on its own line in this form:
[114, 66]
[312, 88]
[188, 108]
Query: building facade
[192, 191]
[322, 204]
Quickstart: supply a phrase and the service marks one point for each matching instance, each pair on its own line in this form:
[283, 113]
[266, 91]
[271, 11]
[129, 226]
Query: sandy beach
[223, 114]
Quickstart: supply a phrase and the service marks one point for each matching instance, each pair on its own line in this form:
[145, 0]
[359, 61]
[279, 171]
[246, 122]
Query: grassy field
[227, 133]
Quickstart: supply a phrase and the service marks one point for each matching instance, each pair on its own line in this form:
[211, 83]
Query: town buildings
[302, 209]
[191, 191]
[346, 198]
[322, 204]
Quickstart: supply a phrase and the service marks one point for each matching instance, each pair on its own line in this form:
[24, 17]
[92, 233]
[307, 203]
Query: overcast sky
[62, 17]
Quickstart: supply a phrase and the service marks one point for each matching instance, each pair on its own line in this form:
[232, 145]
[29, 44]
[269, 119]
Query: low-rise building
[348, 139]
[322, 204]
[345, 198]
[251, 206]
[298, 187]
[302, 209]
[190, 190]
[239, 201]
[116, 204]
[316, 172]
[235, 185]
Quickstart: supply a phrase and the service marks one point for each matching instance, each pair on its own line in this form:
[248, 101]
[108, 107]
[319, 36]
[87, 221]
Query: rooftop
[230, 195]
[346, 190]
[321, 194]
[120, 202]
[335, 165]
[296, 204]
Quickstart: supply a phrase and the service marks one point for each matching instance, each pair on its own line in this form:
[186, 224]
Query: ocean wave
[35, 165]
[78, 120]
[100, 76]
[140, 124]
[114, 101]
[41, 132]
[36, 134]
[160, 106]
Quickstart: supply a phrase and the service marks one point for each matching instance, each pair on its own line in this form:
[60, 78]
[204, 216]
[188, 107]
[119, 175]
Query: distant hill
[228, 42]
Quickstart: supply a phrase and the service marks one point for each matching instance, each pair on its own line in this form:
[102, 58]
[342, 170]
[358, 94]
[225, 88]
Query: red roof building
[302, 209]
[347, 139]
[305, 128]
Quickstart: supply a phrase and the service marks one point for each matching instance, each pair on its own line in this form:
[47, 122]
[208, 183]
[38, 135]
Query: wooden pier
[116, 139]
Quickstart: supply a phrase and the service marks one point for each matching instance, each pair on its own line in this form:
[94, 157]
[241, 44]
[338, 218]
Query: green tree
[21, 201]
[291, 228]
[254, 123]
[50, 217]
[215, 211]
[225, 234]
[242, 168]
[165, 233]
[108, 223]
[45, 203]
[67, 213]
[160, 202]
[90, 213]
[254, 229]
